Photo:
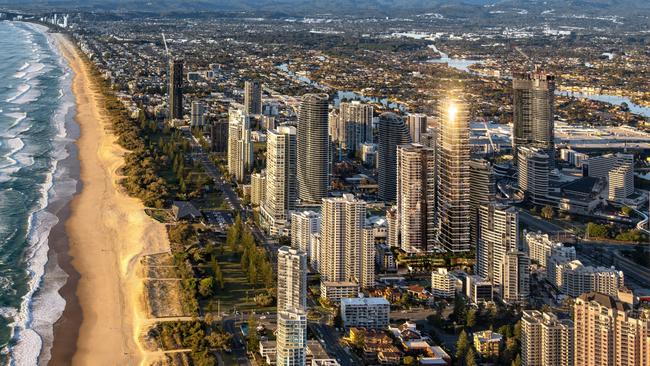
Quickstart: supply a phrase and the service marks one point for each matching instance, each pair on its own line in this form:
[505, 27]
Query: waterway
[462, 64]
[456, 63]
[611, 99]
[341, 95]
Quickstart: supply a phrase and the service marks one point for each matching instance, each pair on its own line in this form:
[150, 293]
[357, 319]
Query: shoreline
[107, 234]
[32, 334]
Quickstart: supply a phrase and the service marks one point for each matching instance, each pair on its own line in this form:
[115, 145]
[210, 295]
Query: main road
[231, 196]
[330, 340]
[534, 224]
[238, 343]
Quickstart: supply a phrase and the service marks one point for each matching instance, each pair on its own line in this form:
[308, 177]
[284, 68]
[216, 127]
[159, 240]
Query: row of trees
[147, 169]
[467, 318]
[602, 231]
[154, 171]
[200, 337]
[253, 260]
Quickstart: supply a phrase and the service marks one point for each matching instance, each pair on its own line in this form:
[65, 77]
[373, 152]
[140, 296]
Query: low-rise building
[488, 343]
[573, 279]
[335, 291]
[365, 312]
[478, 289]
[443, 284]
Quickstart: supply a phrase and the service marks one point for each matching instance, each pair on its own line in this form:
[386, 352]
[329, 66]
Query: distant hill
[352, 7]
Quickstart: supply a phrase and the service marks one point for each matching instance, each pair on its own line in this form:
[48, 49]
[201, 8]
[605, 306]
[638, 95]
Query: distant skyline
[452, 8]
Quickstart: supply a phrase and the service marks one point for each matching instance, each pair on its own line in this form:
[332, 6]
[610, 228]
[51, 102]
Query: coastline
[108, 232]
[42, 305]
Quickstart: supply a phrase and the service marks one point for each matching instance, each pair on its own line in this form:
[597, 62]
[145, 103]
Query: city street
[329, 339]
[532, 223]
[238, 341]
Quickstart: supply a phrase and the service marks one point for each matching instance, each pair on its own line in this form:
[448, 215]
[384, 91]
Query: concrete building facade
[453, 186]
[546, 340]
[312, 141]
[280, 196]
[416, 197]
[392, 132]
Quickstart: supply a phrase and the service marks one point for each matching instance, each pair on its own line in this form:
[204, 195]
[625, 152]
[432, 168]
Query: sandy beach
[108, 233]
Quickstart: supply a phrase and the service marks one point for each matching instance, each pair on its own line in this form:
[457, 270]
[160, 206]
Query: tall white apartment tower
[416, 194]
[365, 269]
[292, 338]
[240, 147]
[342, 239]
[533, 168]
[303, 225]
[292, 279]
[515, 287]
[498, 235]
[280, 196]
[292, 307]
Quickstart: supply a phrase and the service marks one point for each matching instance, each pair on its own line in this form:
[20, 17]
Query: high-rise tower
[417, 124]
[240, 147]
[253, 97]
[546, 340]
[313, 149]
[292, 279]
[482, 187]
[292, 307]
[342, 239]
[533, 112]
[608, 332]
[453, 194]
[498, 235]
[197, 115]
[280, 195]
[515, 272]
[392, 132]
[416, 194]
[533, 169]
[355, 121]
[176, 89]
[291, 338]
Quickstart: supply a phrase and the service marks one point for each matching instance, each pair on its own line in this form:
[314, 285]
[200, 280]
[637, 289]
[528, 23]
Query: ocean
[37, 134]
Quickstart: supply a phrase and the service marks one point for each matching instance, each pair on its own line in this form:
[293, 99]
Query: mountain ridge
[338, 7]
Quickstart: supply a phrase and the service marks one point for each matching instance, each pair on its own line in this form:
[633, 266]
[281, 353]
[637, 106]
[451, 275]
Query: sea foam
[43, 305]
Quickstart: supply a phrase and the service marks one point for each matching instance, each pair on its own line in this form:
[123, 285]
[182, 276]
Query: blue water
[35, 102]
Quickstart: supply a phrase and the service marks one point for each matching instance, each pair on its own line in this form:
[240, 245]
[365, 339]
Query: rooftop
[582, 185]
[364, 301]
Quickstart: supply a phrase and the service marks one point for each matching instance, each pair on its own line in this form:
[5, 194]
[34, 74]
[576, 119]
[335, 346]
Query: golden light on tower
[452, 110]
